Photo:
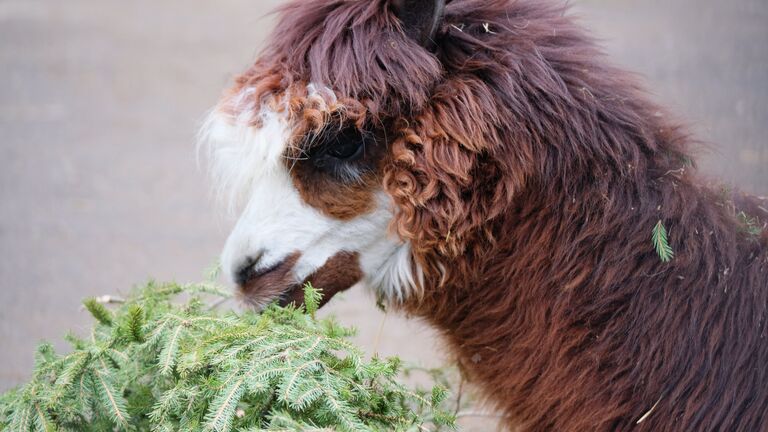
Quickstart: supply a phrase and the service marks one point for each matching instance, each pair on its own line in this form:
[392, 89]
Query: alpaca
[480, 165]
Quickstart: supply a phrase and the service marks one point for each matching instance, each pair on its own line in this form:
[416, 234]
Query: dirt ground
[100, 101]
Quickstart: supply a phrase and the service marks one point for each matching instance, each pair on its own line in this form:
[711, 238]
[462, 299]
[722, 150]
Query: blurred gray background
[100, 101]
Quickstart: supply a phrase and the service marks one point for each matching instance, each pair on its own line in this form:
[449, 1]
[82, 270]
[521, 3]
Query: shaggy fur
[527, 174]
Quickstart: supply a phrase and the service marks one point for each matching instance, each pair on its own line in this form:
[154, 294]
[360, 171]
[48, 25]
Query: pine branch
[312, 298]
[135, 323]
[306, 394]
[21, 420]
[99, 311]
[153, 365]
[661, 243]
[168, 353]
[41, 421]
[112, 401]
[223, 408]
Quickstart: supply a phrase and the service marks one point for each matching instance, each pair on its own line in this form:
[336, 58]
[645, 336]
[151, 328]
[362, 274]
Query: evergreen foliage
[750, 225]
[154, 365]
[661, 243]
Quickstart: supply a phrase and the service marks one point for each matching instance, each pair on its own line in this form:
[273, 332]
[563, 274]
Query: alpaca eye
[346, 145]
[344, 153]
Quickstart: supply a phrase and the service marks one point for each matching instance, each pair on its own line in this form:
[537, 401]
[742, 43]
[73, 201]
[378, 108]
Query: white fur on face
[250, 173]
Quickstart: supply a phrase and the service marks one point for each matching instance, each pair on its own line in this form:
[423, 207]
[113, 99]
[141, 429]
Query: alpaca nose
[247, 271]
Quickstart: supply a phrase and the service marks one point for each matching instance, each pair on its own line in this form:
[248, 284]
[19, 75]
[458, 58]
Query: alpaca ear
[421, 18]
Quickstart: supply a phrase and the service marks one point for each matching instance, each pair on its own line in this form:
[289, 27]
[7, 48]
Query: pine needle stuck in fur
[661, 243]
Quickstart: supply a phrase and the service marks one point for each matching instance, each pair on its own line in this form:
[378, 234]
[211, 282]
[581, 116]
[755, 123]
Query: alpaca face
[312, 208]
[337, 147]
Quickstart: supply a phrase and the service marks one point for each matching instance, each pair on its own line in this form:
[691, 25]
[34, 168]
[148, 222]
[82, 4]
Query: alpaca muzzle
[259, 287]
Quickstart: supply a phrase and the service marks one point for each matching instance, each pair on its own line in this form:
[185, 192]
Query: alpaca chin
[399, 277]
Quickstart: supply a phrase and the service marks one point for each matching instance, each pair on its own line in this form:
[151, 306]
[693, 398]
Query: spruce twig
[661, 243]
[312, 298]
[152, 364]
[98, 310]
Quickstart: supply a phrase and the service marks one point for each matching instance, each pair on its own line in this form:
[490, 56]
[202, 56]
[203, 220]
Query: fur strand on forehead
[357, 48]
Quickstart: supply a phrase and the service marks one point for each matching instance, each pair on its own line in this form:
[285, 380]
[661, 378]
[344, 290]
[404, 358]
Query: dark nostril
[247, 270]
[251, 269]
[243, 274]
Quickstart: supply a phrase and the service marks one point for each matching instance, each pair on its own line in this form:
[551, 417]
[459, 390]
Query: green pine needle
[112, 401]
[749, 225]
[99, 311]
[661, 243]
[222, 412]
[136, 323]
[170, 347]
[312, 298]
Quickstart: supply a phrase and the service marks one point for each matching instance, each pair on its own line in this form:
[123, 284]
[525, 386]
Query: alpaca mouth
[278, 283]
[253, 295]
[295, 295]
[275, 283]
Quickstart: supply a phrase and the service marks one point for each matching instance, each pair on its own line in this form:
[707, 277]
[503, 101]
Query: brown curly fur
[527, 174]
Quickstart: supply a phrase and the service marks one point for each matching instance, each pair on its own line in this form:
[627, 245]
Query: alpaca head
[349, 150]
